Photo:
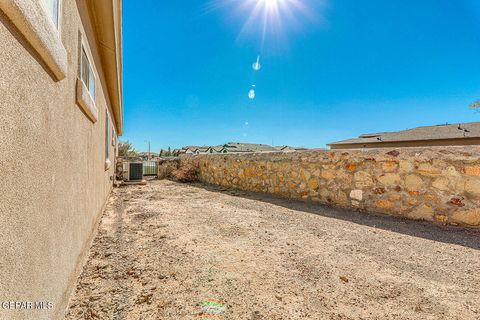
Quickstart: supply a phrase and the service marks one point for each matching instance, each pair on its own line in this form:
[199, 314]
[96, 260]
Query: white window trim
[35, 24]
[92, 67]
[84, 98]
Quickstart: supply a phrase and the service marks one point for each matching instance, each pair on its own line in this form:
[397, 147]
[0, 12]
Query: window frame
[91, 71]
[108, 142]
[33, 21]
[85, 99]
[57, 24]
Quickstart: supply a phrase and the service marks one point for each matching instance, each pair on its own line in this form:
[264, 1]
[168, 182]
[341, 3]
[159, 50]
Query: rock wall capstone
[434, 184]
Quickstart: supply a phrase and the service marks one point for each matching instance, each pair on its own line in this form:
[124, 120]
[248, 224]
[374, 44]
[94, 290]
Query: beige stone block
[406, 166]
[324, 193]
[427, 169]
[344, 179]
[468, 217]
[389, 179]
[306, 175]
[414, 182]
[441, 184]
[363, 179]
[472, 186]
[329, 175]
[341, 198]
[422, 212]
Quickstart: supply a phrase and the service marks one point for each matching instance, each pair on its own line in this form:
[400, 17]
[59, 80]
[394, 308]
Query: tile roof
[438, 132]
[248, 147]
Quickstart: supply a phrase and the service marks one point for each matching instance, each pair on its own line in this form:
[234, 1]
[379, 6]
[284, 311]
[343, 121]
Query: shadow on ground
[428, 230]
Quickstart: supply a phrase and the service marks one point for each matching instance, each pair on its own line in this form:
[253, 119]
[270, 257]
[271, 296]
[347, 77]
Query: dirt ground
[173, 251]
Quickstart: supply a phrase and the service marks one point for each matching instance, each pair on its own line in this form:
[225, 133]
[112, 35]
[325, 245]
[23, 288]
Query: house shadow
[422, 229]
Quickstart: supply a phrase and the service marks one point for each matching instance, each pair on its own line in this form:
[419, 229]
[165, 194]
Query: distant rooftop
[426, 133]
[239, 147]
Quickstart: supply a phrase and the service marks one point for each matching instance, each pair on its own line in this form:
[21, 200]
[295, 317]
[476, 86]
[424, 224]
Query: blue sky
[356, 67]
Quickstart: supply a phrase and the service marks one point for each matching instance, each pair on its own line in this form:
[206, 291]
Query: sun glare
[270, 4]
[275, 16]
[271, 18]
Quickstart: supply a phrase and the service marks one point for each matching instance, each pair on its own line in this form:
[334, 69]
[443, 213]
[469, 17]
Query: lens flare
[256, 65]
[251, 94]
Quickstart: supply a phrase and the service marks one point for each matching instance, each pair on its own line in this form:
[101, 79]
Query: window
[86, 74]
[107, 136]
[38, 22]
[53, 8]
[86, 82]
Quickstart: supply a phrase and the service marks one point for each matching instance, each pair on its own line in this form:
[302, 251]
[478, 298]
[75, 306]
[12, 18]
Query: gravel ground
[173, 251]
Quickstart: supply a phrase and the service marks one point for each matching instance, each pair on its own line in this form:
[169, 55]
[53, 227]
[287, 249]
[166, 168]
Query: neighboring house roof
[290, 148]
[247, 147]
[239, 147]
[194, 148]
[215, 149]
[438, 132]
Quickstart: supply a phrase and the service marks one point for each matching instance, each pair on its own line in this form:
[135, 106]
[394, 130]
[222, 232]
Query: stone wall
[435, 184]
[166, 167]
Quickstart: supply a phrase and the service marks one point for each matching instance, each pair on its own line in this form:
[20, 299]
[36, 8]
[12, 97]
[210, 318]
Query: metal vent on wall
[136, 171]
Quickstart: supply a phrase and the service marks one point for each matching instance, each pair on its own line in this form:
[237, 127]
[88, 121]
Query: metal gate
[150, 168]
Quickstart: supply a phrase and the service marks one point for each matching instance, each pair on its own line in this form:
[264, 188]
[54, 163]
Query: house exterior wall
[54, 181]
[434, 184]
[421, 143]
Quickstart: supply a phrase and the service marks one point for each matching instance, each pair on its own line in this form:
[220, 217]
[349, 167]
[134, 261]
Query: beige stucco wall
[53, 182]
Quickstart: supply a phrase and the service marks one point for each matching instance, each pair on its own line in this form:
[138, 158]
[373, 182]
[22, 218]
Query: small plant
[186, 173]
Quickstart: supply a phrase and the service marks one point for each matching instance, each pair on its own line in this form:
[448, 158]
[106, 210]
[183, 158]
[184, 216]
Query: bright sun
[272, 17]
[270, 3]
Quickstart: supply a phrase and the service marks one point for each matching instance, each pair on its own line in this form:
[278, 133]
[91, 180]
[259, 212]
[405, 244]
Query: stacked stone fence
[434, 184]
[166, 167]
